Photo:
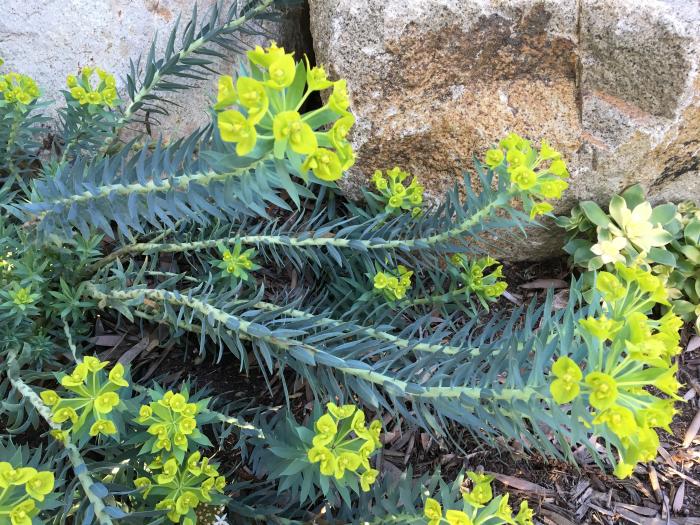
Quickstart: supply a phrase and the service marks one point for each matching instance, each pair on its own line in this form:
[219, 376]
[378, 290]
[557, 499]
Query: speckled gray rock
[48, 39]
[612, 83]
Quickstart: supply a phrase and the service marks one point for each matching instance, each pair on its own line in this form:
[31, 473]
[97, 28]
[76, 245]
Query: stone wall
[612, 83]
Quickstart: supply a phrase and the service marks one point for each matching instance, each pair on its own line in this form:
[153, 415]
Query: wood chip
[684, 476]
[679, 498]
[667, 457]
[654, 479]
[693, 382]
[692, 430]
[642, 511]
[561, 299]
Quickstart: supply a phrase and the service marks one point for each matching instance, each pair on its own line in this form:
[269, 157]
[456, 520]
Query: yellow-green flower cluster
[535, 173]
[21, 489]
[397, 196]
[630, 353]
[172, 423]
[343, 444]
[180, 488]
[81, 89]
[23, 296]
[473, 277]
[95, 399]
[393, 285]
[267, 115]
[16, 88]
[238, 263]
[479, 506]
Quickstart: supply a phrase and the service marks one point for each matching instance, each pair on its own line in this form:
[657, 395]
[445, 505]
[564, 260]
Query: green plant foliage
[236, 238]
[665, 238]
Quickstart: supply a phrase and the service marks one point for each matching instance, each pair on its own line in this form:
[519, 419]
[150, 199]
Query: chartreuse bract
[29, 489]
[86, 91]
[628, 352]
[328, 320]
[539, 174]
[268, 98]
[23, 491]
[343, 445]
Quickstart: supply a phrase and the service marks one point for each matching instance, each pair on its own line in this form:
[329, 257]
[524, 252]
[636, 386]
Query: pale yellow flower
[636, 226]
[609, 251]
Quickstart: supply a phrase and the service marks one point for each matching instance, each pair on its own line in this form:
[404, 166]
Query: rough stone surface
[612, 83]
[48, 39]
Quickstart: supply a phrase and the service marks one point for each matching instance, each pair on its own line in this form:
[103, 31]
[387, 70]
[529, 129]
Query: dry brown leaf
[425, 440]
[667, 457]
[544, 283]
[513, 298]
[554, 518]
[523, 485]
[146, 344]
[108, 339]
[654, 479]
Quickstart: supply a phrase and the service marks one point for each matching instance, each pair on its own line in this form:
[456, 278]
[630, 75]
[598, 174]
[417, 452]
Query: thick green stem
[239, 325]
[177, 183]
[79, 466]
[308, 242]
[321, 321]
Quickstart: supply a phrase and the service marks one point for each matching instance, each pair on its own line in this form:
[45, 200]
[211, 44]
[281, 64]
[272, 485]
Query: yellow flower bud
[106, 402]
[102, 426]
